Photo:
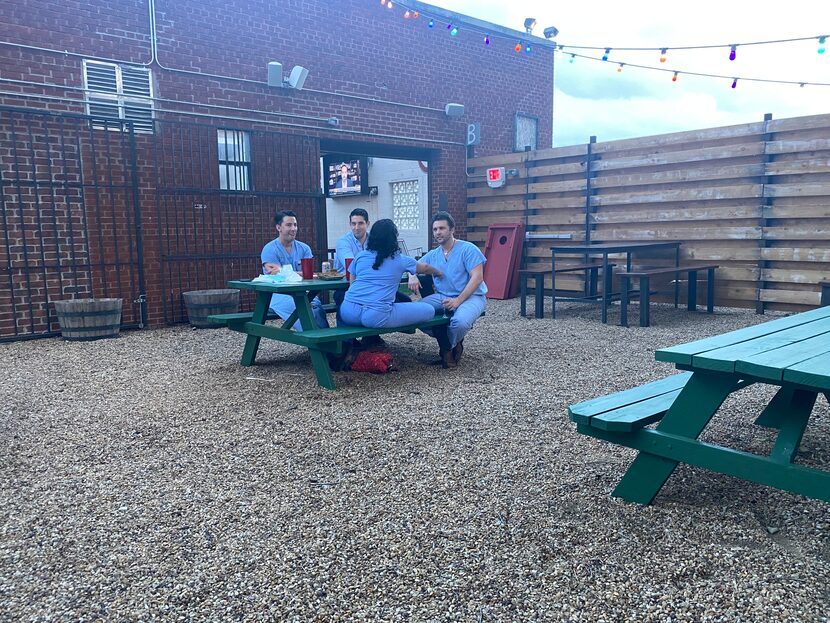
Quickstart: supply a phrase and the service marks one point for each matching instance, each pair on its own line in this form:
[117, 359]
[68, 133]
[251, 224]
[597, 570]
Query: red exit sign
[495, 177]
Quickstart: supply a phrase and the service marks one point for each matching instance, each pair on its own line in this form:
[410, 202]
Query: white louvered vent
[119, 92]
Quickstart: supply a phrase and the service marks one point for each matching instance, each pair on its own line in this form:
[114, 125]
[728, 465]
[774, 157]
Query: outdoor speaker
[296, 79]
[274, 74]
[454, 110]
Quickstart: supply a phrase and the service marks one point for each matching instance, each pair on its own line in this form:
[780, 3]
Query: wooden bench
[539, 277]
[628, 410]
[644, 275]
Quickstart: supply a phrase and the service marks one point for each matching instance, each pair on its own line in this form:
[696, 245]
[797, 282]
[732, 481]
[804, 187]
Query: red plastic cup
[349, 276]
[307, 266]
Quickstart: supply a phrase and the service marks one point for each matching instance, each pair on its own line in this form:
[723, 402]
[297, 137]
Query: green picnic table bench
[791, 353]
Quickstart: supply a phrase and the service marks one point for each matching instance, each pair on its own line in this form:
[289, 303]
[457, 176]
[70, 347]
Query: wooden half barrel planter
[202, 303]
[82, 320]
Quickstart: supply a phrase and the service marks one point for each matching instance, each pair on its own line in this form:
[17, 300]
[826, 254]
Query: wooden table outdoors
[604, 249]
[791, 353]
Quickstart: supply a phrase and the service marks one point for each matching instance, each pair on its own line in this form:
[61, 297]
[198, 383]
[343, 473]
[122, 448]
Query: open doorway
[392, 188]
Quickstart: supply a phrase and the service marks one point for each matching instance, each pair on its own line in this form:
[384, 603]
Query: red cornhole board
[504, 253]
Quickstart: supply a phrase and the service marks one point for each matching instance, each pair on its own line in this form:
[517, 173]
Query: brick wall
[362, 59]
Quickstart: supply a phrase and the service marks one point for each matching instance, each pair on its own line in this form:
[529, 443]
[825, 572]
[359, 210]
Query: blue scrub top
[464, 257]
[376, 289]
[347, 246]
[275, 253]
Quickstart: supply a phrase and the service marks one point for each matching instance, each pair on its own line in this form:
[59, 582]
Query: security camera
[296, 79]
[551, 31]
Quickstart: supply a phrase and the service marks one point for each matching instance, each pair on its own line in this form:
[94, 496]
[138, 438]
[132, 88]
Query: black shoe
[457, 351]
[447, 360]
[338, 363]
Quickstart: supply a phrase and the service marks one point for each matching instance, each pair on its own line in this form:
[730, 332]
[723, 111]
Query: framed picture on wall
[525, 131]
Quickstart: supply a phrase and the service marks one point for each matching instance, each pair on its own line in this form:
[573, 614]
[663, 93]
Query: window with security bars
[234, 160]
[119, 92]
[406, 204]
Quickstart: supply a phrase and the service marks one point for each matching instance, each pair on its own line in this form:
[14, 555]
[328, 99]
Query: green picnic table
[790, 353]
[318, 341]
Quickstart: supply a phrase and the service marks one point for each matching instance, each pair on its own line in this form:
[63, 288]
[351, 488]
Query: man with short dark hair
[286, 249]
[352, 242]
[460, 291]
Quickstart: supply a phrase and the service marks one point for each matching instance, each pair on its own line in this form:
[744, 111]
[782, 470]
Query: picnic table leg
[552, 284]
[540, 295]
[676, 281]
[688, 416]
[710, 291]
[691, 304]
[523, 294]
[793, 424]
[645, 292]
[624, 282]
[318, 357]
[263, 300]
[606, 299]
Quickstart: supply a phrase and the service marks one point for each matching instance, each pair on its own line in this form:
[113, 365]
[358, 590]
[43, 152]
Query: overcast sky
[592, 98]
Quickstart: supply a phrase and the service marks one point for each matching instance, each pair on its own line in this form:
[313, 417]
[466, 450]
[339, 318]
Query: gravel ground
[152, 478]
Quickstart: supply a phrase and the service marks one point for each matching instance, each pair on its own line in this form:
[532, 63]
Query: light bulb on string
[454, 31]
[518, 47]
[734, 82]
[389, 4]
[619, 69]
[663, 55]
[415, 14]
[733, 52]
[486, 39]
[430, 23]
[607, 52]
[527, 49]
[382, 2]
[674, 77]
[821, 47]
[449, 26]
[572, 58]
[407, 14]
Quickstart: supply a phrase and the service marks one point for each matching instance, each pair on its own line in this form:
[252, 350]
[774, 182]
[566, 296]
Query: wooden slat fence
[755, 198]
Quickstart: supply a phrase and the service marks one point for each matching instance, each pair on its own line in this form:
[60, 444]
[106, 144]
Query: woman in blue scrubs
[370, 300]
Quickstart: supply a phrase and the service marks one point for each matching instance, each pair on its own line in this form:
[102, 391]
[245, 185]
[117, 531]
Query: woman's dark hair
[383, 239]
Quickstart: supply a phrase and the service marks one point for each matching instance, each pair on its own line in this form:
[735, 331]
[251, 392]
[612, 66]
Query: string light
[527, 49]
[454, 31]
[663, 55]
[734, 82]
[415, 15]
[821, 47]
[733, 52]
[518, 47]
[431, 23]
[486, 39]
[674, 77]
[692, 47]
[619, 69]
[406, 15]
[574, 55]
[389, 4]
[449, 26]
[607, 52]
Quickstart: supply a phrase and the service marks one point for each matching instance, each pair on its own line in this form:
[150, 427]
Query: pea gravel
[151, 478]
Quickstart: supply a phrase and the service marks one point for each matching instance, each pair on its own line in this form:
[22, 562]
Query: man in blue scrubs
[286, 249]
[353, 242]
[460, 291]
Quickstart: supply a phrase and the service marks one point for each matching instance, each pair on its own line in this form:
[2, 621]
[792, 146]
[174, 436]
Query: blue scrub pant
[398, 315]
[463, 318]
[283, 306]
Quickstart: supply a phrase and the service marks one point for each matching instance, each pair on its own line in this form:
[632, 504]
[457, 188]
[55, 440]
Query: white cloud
[591, 98]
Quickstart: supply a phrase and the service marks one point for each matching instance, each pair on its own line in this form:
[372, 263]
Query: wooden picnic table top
[794, 349]
[615, 246]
